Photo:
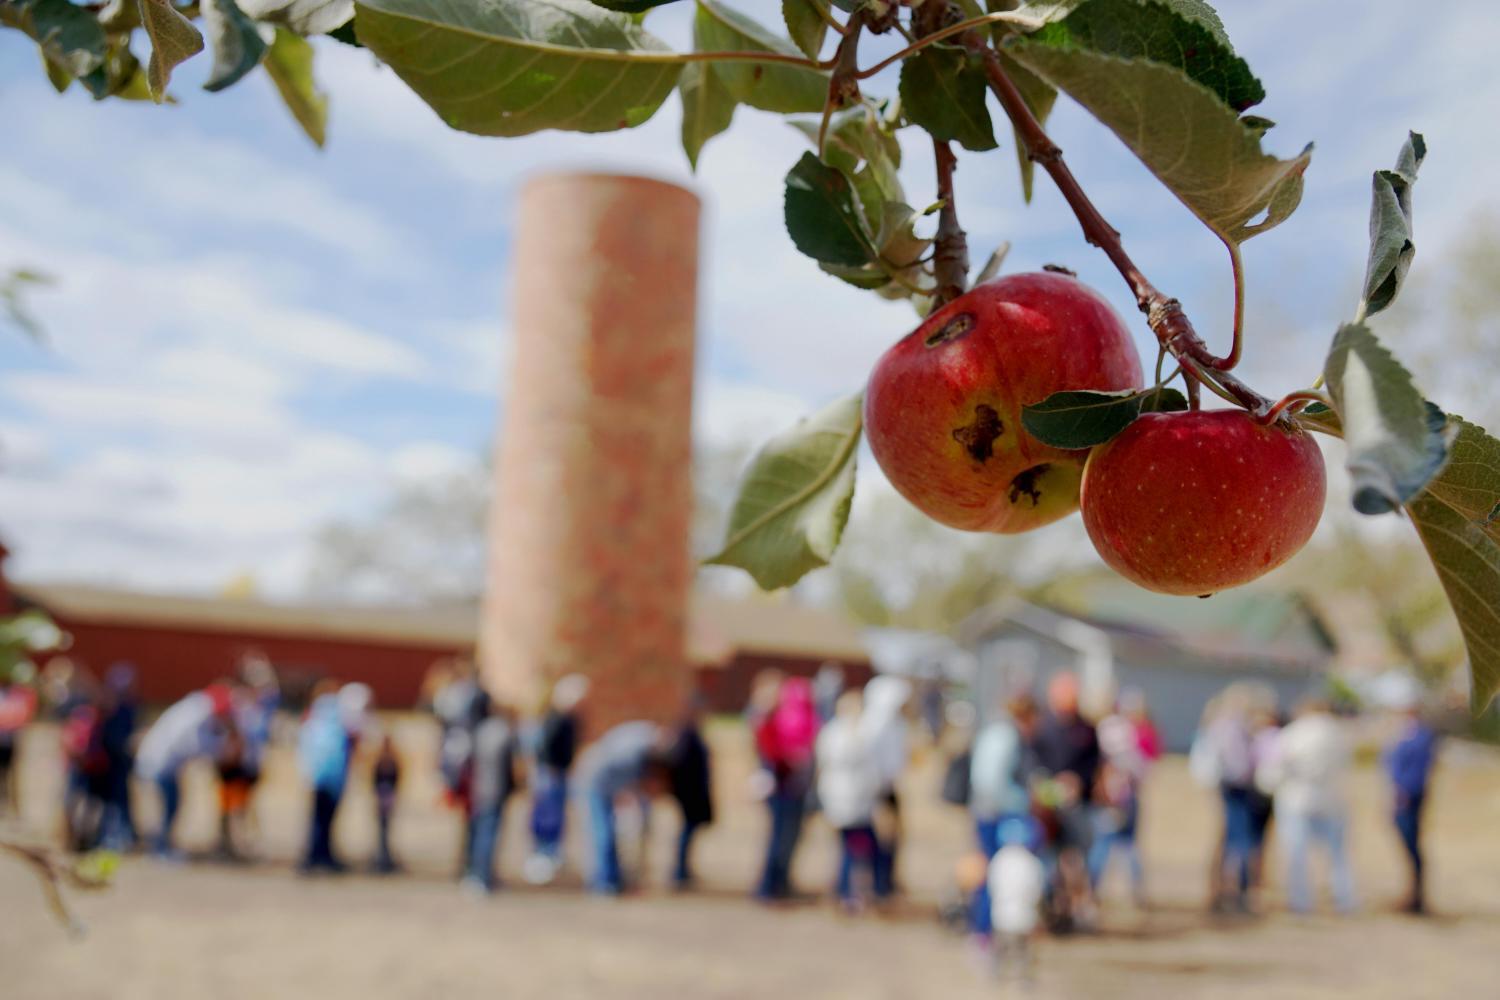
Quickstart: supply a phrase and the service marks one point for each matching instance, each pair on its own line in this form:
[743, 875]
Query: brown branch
[950, 258]
[1163, 313]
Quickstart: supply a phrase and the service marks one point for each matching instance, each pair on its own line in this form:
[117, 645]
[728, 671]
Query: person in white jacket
[883, 726]
[847, 785]
[1306, 772]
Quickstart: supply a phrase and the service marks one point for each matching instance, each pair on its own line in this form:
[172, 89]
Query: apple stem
[1292, 402]
[950, 258]
[1164, 314]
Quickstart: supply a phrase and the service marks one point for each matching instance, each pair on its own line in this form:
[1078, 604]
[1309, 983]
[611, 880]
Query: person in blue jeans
[1307, 773]
[556, 745]
[323, 749]
[1000, 767]
[492, 780]
[627, 761]
[1408, 763]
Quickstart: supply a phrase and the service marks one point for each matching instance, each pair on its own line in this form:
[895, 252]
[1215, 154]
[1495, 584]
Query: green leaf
[1182, 130]
[1039, 96]
[1467, 561]
[305, 17]
[173, 40]
[864, 146]
[1155, 32]
[1397, 440]
[237, 45]
[767, 86]
[943, 92]
[824, 216]
[1046, 11]
[289, 61]
[513, 67]
[707, 107]
[14, 288]
[69, 36]
[1470, 482]
[805, 24]
[1391, 246]
[1081, 419]
[1316, 416]
[794, 499]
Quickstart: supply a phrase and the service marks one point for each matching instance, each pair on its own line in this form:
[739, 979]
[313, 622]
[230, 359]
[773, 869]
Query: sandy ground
[204, 929]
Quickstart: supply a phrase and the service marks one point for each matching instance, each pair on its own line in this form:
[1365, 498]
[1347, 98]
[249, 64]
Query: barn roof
[718, 627]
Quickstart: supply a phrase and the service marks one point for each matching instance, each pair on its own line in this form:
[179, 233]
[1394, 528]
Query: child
[847, 789]
[234, 792]
[385, 776]
[1017, 882]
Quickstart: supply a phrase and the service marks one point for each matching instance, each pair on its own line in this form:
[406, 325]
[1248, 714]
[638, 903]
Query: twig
[1292, 402]
[957, 28]
[950, 259]
[1163, 314]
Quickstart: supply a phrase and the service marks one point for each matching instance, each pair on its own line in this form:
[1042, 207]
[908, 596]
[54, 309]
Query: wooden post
[589, 563]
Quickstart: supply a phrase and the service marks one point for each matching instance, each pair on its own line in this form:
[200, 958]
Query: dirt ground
[204, 929]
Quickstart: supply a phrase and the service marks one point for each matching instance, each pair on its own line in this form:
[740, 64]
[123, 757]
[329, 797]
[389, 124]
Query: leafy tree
[1161, 74]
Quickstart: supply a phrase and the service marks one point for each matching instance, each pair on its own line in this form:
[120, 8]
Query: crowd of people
[1053, 790]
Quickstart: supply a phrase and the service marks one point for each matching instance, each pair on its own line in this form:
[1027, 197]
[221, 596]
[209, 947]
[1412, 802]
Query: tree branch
[950, 258]
[1163, 314]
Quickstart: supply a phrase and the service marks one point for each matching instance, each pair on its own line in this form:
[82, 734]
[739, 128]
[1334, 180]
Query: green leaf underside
[824, 216]
[794, 500]
[1039, 96]
[1470, 482]
[1467, 561]
[173, 40]
[943, 92]
[1081, 419]
[805, 25]
[513, 67]
[1396, 440]
[1391, 246]
[1193, 142]
[289, 63]
[707, 108]
[1142, 29]
[236, 44]
[767, 86]
[305, 17]
[70, 38]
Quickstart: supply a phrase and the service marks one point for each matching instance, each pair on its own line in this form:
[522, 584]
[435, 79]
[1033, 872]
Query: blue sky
[250, 336]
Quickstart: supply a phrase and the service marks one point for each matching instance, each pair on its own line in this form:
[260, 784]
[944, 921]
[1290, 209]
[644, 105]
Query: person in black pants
[687, 760]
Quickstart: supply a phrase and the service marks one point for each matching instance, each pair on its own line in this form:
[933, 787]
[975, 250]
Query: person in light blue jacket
[323, 756]
[999, 772]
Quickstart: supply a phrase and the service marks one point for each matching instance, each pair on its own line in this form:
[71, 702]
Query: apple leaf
[864, 146]
[236, 43]
[824, 216]
[289, 63]
[1182, 128]
[943, 91]
[513, 67]
[707, 107]
[1391, 246]
[173, 40]
[1470, 482]
[71, 40]
[1145, 29]
[305, 17]
[767, 86]
[1397, 440]
[1083, 419]
[1467, 561]
[805, 24]
[794, 499]
[1039, 96]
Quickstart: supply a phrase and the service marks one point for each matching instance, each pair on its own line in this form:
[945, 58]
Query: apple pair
[1188, 502]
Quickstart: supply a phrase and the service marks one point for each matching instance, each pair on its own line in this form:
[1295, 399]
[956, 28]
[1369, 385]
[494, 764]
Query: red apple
[1194, 502]
[943, 407]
